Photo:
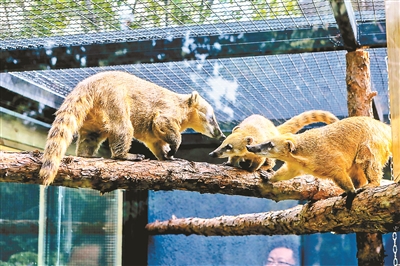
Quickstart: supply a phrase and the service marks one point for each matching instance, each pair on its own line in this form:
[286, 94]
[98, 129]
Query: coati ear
[249, 140]
[291, 146]
[194, 98]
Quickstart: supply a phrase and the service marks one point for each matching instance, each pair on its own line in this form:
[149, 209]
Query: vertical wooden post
[393, 50]
[359, 94]
[359, 103]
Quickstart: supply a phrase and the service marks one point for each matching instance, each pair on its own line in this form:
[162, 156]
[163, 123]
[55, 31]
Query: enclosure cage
[277, 58]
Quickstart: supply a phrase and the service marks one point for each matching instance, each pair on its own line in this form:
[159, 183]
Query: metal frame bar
[214, 46]
[346, 21]
[29, 90]
[165, 50]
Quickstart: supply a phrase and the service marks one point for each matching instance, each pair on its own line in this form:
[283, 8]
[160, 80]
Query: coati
[119, 106]
[257, 129]
[352, 152]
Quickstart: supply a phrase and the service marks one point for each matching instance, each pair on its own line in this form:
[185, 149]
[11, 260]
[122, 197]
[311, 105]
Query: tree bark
[359, 94]
[373, 210]
[106, 175]
[359, 103]
[370, 249]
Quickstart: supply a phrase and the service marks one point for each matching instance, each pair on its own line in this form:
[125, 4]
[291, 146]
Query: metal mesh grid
[379, 78]
[276, 86]
[59, 23]
[369, 10]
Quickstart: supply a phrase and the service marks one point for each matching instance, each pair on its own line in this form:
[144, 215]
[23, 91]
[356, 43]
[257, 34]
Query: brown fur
[119, 106]
[257, 129]
[351, 152]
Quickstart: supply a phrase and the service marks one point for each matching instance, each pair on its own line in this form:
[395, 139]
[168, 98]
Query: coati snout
[260, 148]
[213, 154]
[217, 134]
[222, 137]
[219, 152]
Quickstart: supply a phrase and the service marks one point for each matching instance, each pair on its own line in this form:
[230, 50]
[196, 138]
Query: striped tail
[296, 123]
[69, 118]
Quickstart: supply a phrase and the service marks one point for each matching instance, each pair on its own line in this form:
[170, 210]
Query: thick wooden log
[106, 175]
[373, 210]
[359, 103]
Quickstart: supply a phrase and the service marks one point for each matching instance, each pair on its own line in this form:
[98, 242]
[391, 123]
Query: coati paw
[246, 165]
[266, 174]
[170, 158]
[178, 159]
[227, 164]
[349, 199]
[352, 195]
[134, 157]
[361, 189]
[311, 202]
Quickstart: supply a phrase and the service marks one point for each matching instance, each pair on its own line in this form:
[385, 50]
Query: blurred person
[283, 253]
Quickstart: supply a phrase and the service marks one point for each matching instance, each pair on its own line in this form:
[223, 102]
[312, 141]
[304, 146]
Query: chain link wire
[395, 260]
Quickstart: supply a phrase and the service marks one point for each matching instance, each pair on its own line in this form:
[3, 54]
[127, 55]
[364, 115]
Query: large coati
[352, 152]
[119, 106]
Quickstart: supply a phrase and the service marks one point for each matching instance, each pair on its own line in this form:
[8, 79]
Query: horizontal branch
[106, 175]
[373, 210]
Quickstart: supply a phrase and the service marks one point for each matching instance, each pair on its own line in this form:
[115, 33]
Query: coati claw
[351, 196]
[266, 174]
[361, 189]
[349, 199]
[132, 157]
[246, 165]
[140, 157]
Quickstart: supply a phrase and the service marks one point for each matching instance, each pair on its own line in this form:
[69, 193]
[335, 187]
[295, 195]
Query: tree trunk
[373, 210]
[106, 175]
[359, 94]
[370, 249]
[359, 103]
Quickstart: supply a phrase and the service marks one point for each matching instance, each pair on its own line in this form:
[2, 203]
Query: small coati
[352, 152]
[256, 129]
[119, 106]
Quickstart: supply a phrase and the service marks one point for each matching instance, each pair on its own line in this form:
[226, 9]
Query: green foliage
[275, 9]
[44, 18]
[154, 12]
[184, 13]
[23, 258]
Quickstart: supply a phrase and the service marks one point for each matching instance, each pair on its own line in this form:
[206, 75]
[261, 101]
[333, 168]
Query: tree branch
[373, 210]
[106, 175]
